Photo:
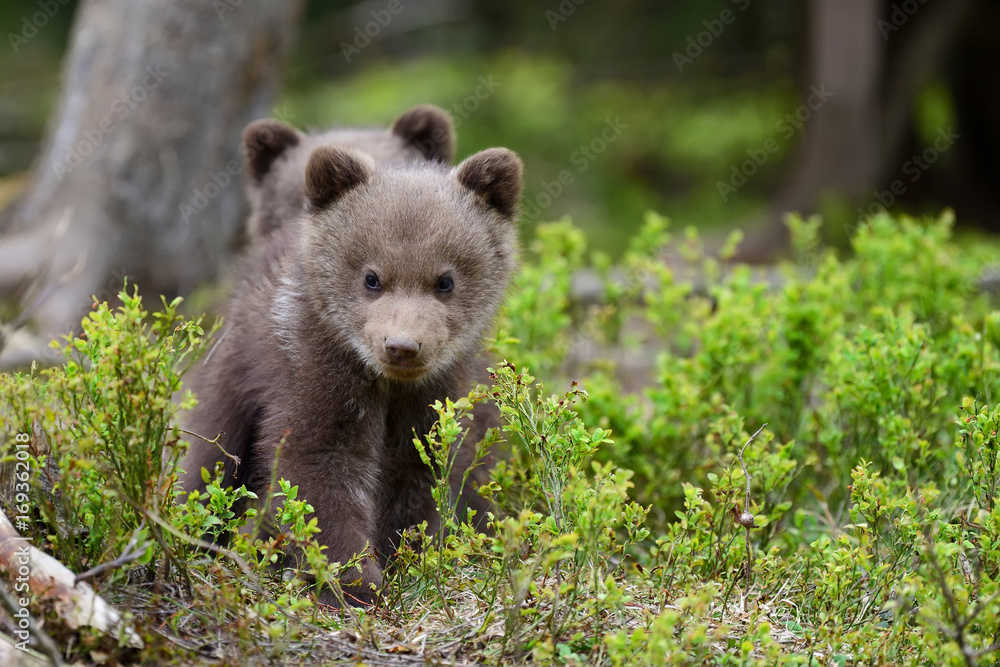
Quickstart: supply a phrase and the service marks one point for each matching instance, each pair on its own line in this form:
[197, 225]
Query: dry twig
[130, 554]
[746, 518]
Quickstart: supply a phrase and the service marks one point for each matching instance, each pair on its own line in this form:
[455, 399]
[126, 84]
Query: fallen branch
[27, 632]
[52, 582]
[11, 656]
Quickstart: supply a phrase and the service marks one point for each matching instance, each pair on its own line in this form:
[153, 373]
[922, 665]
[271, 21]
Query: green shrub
[626, 530]
[103, 444]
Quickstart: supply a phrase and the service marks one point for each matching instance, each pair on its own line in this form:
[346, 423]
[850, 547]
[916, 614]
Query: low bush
[644, 512]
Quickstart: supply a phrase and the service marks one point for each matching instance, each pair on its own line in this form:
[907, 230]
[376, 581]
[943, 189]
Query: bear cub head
[408, 263]
[276, 156]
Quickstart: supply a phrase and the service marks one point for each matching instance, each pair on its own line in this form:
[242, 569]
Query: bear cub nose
[401, 347]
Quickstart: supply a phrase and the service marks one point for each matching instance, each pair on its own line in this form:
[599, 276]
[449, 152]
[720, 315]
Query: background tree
[875, 57]
[139, 172]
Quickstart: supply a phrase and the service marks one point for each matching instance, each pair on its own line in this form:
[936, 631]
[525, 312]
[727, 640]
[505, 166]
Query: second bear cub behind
[277, 155]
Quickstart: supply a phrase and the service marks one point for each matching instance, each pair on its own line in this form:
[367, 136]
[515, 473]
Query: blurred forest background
[717, 113]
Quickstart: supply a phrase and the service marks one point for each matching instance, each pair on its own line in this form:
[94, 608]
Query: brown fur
[310, 352]
[276, 157]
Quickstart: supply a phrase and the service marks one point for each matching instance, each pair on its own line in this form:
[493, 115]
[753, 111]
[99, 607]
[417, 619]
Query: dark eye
[371, 281]
[445, 283]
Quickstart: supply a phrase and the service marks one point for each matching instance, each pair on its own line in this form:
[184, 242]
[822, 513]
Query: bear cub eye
[371, 281]
[445, 283]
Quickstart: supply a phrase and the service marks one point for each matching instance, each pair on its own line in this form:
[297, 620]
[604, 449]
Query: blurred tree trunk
[140, 171]
[841, 147]
[874, 59]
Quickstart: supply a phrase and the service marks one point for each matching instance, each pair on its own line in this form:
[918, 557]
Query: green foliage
[103, 445]
[537, 321]
[858, 365]
[981, 451]
[96, 445]
[680, 140]
[545, 572]
[623, 531]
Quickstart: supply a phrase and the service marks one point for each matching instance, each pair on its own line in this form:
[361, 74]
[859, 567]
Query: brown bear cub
[277, 155]
[344, 327]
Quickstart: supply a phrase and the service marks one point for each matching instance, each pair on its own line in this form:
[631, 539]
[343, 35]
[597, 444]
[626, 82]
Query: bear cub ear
[332, 172]
[428, 129]
[264, 141]
[494, 174]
